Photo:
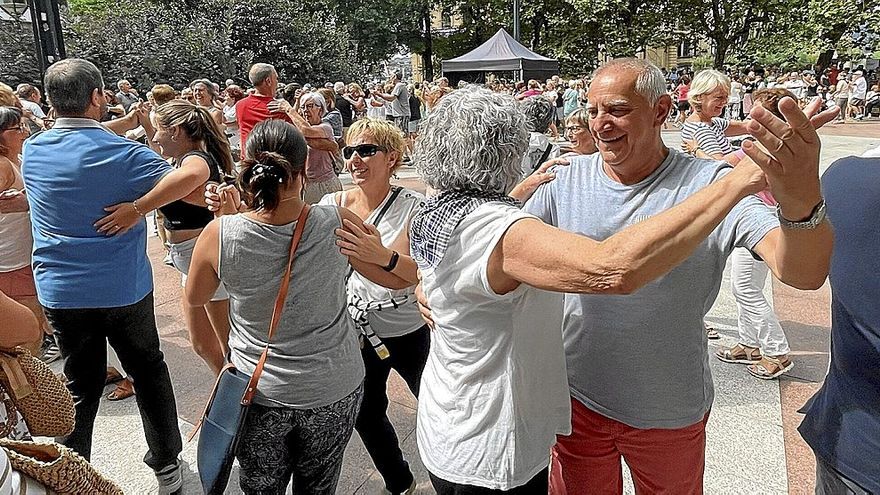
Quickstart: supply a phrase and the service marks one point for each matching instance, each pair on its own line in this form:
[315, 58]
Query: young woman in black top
[200, 153]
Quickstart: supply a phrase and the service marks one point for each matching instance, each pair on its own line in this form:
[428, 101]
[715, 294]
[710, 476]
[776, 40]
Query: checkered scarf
[432, 226]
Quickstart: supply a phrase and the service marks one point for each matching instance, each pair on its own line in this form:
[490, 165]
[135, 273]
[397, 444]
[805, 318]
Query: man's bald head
[649, 80]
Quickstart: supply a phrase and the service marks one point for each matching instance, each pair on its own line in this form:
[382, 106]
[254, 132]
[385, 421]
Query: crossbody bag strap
[395, 192]
[279, 307]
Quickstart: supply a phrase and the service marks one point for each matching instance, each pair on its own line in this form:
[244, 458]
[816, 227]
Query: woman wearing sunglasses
[393, 333]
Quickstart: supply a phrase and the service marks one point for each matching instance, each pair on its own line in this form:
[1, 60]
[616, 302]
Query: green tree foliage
[18, 64]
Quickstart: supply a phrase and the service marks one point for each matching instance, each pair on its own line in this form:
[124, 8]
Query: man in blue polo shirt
[98, 288]
[842, 422]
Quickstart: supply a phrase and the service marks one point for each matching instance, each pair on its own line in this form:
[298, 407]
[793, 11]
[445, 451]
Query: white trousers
[113, 361]
[758, 325]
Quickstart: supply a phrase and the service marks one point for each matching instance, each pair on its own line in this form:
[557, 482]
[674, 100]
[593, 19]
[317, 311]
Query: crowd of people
[854, 90]
[535, 370]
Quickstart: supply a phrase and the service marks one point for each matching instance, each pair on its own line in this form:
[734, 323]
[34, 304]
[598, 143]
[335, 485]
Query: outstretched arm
[548, 258]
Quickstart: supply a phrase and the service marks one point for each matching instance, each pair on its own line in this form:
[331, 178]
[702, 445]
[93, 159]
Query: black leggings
[408, 355]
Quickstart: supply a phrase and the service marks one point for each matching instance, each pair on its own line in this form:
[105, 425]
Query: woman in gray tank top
[311, 387]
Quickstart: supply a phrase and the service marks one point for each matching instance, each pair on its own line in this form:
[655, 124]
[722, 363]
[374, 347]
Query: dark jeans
[829, 481]
[82, 336]
[536, 486]
[408, 356]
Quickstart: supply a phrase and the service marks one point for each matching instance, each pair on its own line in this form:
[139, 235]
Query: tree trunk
[721, 47]
[428, 53]
[537, 25]
[824, 61]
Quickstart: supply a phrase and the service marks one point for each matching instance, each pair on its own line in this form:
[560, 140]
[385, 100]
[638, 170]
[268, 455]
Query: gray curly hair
[539, 113]
[473, 140]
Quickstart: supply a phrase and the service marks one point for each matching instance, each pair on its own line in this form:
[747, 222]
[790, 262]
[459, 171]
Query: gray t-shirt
[400, 105]
[315, 357]
[642, 358]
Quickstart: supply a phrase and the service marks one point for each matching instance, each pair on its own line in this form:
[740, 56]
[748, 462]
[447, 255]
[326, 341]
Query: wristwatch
[815, 219]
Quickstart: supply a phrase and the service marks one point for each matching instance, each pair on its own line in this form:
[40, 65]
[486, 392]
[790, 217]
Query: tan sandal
[124, 389]
[739, 354]
[771, 367]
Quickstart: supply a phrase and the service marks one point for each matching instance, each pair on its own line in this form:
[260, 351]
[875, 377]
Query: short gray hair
[70, 83]
[474, 139]
[539, 113]
[316, 98]
[260, 72]
[121, 82]
[650, 82]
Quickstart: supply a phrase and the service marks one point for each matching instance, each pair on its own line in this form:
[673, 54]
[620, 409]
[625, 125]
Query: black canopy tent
[499, 53]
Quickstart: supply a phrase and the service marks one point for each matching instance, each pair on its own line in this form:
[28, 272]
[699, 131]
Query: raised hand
[791, 161]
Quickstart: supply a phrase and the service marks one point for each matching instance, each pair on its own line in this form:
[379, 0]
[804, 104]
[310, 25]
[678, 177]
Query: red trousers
[662, 461]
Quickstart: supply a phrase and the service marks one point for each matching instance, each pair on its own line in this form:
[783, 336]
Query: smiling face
[713, 102]
[167, 139]
[370, 169]
[12, 138]
[624, 124]
[578, 134]
[200, 93]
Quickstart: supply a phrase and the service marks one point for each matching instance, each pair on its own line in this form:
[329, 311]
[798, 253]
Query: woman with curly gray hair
[494, 391]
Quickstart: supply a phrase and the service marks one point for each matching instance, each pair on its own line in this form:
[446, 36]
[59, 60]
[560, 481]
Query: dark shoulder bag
[227, 408]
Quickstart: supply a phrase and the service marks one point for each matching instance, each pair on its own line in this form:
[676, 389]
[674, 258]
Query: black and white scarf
[432, 226]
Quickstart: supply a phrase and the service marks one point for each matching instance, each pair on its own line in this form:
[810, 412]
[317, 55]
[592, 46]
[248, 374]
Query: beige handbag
[39, 395]
[58, 468]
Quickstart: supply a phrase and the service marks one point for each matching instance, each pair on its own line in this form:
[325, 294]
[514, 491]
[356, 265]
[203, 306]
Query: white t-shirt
[391, 322]
[494, 392]
[860, 88]
[374, 112]
[34, 108]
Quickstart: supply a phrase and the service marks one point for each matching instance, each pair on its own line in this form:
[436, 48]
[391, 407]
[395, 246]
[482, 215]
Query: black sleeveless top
[180, 215]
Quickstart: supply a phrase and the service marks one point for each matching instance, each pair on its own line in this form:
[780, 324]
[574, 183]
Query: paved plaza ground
[753, 445]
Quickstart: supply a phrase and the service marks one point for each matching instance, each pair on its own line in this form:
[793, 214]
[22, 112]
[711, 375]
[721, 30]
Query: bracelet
[395, 257]
[136, 210]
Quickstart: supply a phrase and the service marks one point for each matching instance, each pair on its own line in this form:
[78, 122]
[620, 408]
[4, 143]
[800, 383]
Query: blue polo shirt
[71, 173]
[842, 422]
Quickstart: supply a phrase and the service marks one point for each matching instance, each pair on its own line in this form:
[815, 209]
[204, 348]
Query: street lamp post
[516, 9]
[46, 21]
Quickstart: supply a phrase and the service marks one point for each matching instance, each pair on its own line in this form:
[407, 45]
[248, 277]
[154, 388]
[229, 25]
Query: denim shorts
[181, 257]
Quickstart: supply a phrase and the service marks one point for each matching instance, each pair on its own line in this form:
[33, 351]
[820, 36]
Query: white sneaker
[170, 479]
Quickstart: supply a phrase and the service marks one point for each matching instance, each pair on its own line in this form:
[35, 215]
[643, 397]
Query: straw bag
[39, 395]
[58, 468]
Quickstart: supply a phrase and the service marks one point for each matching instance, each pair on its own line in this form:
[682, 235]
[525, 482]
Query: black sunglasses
[363, 150]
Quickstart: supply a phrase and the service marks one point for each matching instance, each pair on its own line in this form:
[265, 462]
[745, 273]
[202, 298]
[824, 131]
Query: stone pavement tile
[722, 483]
[806, 319]
[358, 469]
[119, 447]
[800, 459]
[398, 391]
[374, 484]
[747, 449]
[865, 128]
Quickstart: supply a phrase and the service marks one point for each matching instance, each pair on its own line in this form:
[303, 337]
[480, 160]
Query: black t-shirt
[415, 108]
[347, 111]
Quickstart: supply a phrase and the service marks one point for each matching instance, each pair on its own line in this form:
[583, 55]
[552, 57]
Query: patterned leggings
[280, 442]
